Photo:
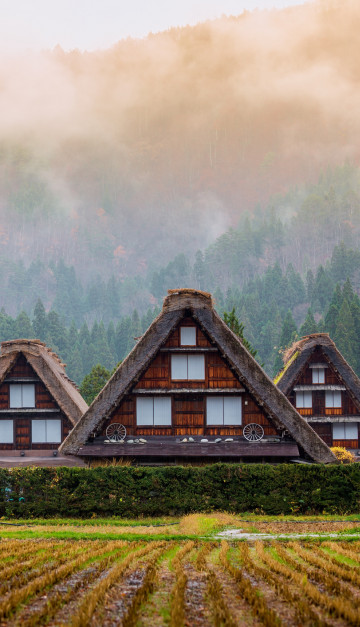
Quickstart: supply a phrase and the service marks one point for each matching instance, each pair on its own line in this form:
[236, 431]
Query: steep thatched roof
[49, 369]
[298, 355]
[178, 304]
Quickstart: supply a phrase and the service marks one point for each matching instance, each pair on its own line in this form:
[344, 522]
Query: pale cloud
[93, 24]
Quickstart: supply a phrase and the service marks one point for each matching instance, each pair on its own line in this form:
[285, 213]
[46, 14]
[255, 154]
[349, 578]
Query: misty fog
[119, 159]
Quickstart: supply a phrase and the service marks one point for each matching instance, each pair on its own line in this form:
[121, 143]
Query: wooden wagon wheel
[253, 432]
[116, 432]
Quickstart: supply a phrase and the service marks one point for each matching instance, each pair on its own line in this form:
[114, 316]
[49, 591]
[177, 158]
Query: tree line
[270, 311]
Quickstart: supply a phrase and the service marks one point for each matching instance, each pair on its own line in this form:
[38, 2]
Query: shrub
[176, 490]
[343, 455]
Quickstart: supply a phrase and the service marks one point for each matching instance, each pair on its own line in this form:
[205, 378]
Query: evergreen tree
[332, 314]
[123, 335]
[219, 299]
[199, 270]
[112, 298]
[146, 320]
[288, 331]
[310, 285]
[309, 325]
[348, 292]
[23, 326]
[111, 336]
[73, 337]
[94, 332]
[94, 382]
[344, 262]
[88, 356]
[104, 355]
[39, 321]
[74, 366]
[96, 297]
[136, 329]
[84, 335]
[69, 293]
[322, 290]
[337, 297]
[321, 326]
[287, 336]
[345, 334]
[56, 336]
[355, 312]
[296, 288]
[237, 327]
[7, 326]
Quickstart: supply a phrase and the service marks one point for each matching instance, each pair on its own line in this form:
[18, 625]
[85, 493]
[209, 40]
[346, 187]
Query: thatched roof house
[188, 380]
[323, 387]
[39, 404]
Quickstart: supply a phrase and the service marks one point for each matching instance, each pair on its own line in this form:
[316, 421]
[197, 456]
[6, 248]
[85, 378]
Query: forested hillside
[275, 308]
[118, 160]
[221, 157]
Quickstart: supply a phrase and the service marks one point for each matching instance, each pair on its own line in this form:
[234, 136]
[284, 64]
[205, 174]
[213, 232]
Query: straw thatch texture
[50, 369]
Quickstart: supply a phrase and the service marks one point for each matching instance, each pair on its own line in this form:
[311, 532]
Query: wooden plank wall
[21, 368]
[348, 408]
[22, 423]
[188, 411]
[318, 408]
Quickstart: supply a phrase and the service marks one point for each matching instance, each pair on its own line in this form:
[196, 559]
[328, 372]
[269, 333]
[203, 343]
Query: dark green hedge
[136, 491]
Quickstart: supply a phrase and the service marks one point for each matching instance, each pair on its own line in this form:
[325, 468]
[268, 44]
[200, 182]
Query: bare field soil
[196, 582]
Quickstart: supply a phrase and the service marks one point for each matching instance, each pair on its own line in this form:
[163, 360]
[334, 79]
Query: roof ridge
[302, 343]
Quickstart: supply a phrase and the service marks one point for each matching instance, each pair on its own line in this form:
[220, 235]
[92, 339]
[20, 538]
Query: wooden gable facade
[188, 390]
[189, 398]
[324, 389]
[36, 412]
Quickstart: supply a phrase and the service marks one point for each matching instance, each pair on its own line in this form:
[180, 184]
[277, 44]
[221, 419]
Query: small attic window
[318, 375]
[188, 336]
[22, 395]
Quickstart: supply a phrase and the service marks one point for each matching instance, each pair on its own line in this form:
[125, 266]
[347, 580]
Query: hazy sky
[91, 24]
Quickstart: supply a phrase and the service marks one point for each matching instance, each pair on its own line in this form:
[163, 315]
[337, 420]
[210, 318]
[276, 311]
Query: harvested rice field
[191, 582]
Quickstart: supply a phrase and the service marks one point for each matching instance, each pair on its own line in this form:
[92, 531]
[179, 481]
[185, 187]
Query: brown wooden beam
[194, 449]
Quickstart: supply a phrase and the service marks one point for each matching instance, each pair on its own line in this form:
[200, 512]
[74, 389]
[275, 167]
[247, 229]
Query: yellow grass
[200, 524]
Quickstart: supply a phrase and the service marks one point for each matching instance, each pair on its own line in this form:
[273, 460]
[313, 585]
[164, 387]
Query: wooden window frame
[317, 371]
[187, 327]
[303, 395]
[223, 423]
[154, 424]
[333, 406]
[187, 355]
[344, 425]
[13, 426]
[46, 420]
[22, 406]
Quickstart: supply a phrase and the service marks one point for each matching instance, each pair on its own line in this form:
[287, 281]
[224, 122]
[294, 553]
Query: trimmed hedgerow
[136, 491]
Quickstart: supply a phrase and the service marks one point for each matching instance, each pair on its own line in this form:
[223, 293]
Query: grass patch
[93, 522]
[73, 535]
[342, 559]
[192, 526]
[203, 525]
